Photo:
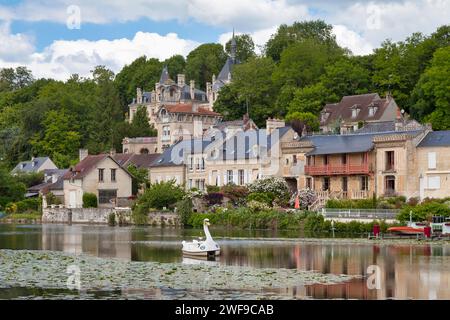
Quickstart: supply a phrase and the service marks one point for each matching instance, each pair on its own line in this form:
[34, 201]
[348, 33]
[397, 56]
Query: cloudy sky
[56, 38]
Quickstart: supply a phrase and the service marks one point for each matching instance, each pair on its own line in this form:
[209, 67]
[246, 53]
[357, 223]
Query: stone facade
[115, 182]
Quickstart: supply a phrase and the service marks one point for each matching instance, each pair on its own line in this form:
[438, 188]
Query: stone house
[100, 175]
[357, 166]
[433, 165]
[353, 111]
[238, 157]
[183, 121]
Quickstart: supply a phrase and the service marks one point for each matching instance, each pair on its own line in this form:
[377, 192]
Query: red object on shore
[427, 232]
[376, 230]
[297, 203]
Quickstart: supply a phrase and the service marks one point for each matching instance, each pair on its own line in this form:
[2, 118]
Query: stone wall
[83, 215]
[101, 215]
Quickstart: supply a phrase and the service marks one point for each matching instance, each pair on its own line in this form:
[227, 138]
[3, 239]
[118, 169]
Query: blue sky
[35, 33]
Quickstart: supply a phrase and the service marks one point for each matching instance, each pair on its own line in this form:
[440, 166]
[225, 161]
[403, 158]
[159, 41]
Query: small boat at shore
[207, 248]
[410, 229]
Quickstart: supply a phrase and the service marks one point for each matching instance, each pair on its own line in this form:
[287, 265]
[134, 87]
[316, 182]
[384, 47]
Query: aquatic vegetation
[45, 269]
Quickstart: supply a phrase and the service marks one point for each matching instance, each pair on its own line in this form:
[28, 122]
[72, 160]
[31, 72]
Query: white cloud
[63, 58]
[14, 46]
[349, 39]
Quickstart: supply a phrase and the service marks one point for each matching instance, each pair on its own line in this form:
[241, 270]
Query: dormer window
[372, 111]
[355, 111]
[324, 116]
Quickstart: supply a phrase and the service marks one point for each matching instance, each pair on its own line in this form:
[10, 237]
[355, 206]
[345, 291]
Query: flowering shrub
[194, 193]
[266, 198]
[275, 185]
[306, 198]
[237, 194]
[256, 206]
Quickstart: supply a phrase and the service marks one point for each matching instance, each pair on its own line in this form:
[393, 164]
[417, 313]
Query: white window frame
[434, 182]
[431, 160]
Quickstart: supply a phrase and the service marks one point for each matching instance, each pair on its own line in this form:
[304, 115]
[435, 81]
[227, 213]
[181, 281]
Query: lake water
[407, 271]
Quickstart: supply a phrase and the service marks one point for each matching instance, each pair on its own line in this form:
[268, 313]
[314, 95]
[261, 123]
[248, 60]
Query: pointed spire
[164, 75]
[233, 48]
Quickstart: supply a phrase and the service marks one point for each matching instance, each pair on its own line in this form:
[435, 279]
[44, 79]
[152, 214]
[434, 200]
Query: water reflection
[408, 271]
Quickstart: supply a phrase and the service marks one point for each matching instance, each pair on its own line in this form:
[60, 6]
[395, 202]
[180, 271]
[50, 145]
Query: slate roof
[27, 166]
[83, 167]
[343, 109]
[436, 139]
[165, 77]
[242, 146]
[174, 155]
[347, 143]
[138, 160]
[49, 185]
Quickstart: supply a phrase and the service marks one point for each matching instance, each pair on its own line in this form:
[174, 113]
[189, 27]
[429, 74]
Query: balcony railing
[328, 170]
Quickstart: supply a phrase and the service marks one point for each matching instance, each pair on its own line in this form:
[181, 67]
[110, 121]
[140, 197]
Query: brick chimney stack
[192, 87]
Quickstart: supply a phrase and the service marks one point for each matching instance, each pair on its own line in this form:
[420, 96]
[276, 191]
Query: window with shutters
[431, 160]
[434, 182]
[241, 177]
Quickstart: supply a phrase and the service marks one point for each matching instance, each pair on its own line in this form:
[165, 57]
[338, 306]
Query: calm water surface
[408, 271]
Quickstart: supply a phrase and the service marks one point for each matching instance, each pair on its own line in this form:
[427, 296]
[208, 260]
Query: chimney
[181, 80]
[139, 95]
[192, 87]
[213, 78]
[272, 124]
[112, 152]
[83, 154]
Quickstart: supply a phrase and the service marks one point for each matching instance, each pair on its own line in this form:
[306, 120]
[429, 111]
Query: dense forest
[300, 69]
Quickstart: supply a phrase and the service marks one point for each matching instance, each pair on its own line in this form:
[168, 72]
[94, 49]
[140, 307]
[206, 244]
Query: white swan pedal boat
[207, 248]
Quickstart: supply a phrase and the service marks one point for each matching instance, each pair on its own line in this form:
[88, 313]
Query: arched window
[144, 151]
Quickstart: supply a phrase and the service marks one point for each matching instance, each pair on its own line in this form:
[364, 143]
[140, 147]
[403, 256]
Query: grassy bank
[22, 216]
[272, 219]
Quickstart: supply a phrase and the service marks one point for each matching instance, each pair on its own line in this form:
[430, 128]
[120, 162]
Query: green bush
[112, 219]
[424, 211]
[184, 210]
[27, 205]
[236, 194]
[245, 218]
[161, 194]
[212, 189]
[263, 197]
[351, 204]
[89, 200]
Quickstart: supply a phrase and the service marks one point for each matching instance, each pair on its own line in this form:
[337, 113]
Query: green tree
[304, 62]
[60, 139]
[245, 47]
[346, 77]
[13, 79]
[317, 30]
[300, 119]
[253, 86]
[140, 127]
[176, 65]
[203, 62]
[141, 73]
[434, 86]
[107, 113]
[10, 189]
[309, 99]
[159, 195]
